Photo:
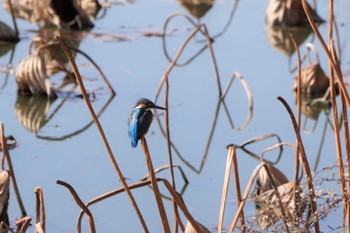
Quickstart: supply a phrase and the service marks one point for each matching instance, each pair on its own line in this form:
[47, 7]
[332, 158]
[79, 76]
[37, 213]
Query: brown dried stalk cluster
[287, 205]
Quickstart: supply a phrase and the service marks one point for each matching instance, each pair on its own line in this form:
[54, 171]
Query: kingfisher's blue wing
[134, 128]
[139, 122]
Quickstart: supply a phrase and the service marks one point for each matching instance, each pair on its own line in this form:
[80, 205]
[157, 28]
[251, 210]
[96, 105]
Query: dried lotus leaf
[31, 77]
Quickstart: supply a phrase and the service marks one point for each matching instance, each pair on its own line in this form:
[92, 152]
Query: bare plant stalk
[80, 204]
[40, 208]
[100, 129]
[170, 157]
[244, 197]
[108, 195]
[11, 171]
[157, 195]
[182, 206]
[23, 223]
[232, 151]
[176, 58]
[337, 133]
[13, 17]
[225, 190]
[329, 55]
[297, 158]
[306, 166]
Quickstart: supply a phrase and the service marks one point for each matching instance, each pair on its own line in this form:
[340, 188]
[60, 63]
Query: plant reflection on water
[281, 204]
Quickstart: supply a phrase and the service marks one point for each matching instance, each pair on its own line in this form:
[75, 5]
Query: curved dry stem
[80, 204]
[244, 198]
[231, 160]
[161, 168]
[306, 165]
[40, 207]
[278, 145]
[329, 55]
[337, 131]
[308, 46]
[249, 96]
[23, 223]
[6, 155]
[108, 195]
[104, 138]
[84, 55]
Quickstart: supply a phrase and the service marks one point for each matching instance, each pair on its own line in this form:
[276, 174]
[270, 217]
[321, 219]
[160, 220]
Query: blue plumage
[140, 119]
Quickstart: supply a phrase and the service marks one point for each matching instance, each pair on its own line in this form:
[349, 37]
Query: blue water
[134, 64]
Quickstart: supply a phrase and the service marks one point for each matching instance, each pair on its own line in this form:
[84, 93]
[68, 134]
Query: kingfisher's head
[146, 104]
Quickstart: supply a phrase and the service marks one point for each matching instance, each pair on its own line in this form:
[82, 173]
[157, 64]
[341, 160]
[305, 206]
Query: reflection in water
[221, 103]
[197, 8]
[48, 13]
[197, 41]
[280, 38]
[31, 111]
[7, 34]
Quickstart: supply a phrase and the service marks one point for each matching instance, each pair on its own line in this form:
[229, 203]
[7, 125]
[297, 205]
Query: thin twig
[329, 55]
[11, 171]
[157, 195]
[297, 158]
[80, 204]
[100, 129]
[306, 166]
[40, 208]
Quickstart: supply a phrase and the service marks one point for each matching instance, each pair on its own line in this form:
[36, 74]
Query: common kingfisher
[140, 119]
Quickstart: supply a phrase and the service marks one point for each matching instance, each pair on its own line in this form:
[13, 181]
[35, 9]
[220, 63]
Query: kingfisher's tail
[134, 143]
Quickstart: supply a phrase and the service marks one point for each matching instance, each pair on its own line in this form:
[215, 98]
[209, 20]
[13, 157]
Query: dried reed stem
[244, 198]
[10, 168]
[182, 206]
[40, 208]
[306, 166]
[297, 158]
[23, 223]
[231, 161]
[100, 129]
[225, 189]
[337, 132]
[80, 204]
[329, 55]
[157, 195]
[170, 157]
[108, 195]
[13, 17]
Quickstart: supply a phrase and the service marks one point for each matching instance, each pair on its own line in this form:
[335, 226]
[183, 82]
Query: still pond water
[126, 46]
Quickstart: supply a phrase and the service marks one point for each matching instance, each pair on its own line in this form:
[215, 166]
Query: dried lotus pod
[314, 82]
[288, 13]
[264, 183]
[31, 77]
[269, 210]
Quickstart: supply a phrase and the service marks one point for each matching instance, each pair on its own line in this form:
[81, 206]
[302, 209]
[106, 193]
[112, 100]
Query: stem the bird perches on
[100, 129]
[156, 191]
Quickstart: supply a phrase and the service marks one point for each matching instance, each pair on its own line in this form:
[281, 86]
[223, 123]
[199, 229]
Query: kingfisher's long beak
[158, 107]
